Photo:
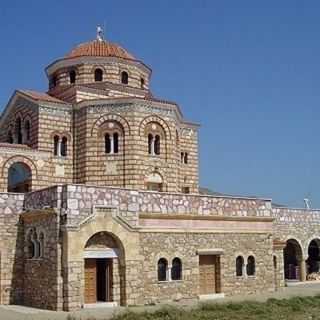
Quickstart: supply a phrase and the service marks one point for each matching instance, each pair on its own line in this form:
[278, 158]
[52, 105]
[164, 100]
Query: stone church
[100, 202]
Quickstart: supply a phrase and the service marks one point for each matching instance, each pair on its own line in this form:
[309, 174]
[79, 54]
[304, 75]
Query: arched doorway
[155, 182]
[104, 269]
[313, 261]
[19, 178]
[292, 260]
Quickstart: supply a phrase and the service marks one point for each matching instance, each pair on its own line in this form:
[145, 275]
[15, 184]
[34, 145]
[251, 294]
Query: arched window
[162, 269]
[98, 75]
[176, 270]
[274, 262]
[36, 243]
[184, 157]
[124, 77]
[155, 182]
[157, 145]
[154, 144]
[54, 80]
[41, 243]
[19, 178]
[150, 144]
[18, 131]
[72, 76]
[26, 132]
[142, 83]
[239, 266]
[107, 143]
[9, 137]
[111, 143]
[56, 145]
[64, 143]
[115, 142]
[30, 245]
[250, 266]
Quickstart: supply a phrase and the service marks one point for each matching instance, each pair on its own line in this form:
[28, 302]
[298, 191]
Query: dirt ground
[14, 312]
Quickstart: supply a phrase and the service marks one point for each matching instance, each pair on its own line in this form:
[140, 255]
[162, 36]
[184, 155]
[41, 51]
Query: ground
[293, 290]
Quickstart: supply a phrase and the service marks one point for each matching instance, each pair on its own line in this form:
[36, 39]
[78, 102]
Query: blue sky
[247, 71]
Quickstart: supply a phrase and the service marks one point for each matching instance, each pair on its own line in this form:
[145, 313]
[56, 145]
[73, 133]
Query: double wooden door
[207, 274]
[97, 280]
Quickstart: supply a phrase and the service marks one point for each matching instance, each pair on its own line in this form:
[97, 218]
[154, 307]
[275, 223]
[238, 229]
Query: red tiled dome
[99, 48]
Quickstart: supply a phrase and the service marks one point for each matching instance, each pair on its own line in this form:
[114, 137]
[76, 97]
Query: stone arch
[158, 171]
[98, 66]
[18, 159]
[313, 250]
[103, 221]
[158, 120]
[110, 117]
[293, 259]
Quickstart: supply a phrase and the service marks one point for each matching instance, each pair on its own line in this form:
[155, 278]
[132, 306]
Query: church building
[100, 202]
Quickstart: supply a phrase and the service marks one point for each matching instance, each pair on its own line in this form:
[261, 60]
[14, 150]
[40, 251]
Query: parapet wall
[299, 224]
[81, 199]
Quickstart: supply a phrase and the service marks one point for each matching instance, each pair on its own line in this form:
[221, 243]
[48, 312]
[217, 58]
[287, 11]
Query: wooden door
[207, 274]
[90, 280]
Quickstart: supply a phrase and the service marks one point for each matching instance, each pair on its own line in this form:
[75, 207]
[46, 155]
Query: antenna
[306, 199]
[99, 34]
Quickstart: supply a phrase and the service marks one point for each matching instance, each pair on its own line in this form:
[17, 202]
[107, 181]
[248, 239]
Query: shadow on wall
[16, 290]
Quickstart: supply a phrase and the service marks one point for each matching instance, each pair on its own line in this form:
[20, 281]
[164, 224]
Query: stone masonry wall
[42, 276]
[81, 198]
[11, 252]
[300, 224]
[154, 246]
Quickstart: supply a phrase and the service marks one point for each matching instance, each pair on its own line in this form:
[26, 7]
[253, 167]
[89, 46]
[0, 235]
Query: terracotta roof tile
[40, 96]
[98, 48]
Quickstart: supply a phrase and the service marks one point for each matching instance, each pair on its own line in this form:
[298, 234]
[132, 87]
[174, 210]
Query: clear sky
[247, 71]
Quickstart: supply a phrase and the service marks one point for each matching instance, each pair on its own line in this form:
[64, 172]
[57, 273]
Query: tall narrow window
[55, 145]
[64, 146]
[176, 269]
[98, 75]
[115, 142]
[162, 269]
[250, 266]
[30, 245]
[54, 80]
[157, 145]
[107, 143]
[72, 76]
[142, 83]
[239, 266]
[124, 77]
[184, 157]
[150, 144]
[26, 131]
[18, 131]
[41, 242]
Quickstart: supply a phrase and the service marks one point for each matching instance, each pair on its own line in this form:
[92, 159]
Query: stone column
[111, 144]
[59, 148]
[303, 270]
[24, 136]
[152, 145]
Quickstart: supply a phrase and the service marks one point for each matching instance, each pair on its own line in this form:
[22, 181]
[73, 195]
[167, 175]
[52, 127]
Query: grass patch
[286, 309]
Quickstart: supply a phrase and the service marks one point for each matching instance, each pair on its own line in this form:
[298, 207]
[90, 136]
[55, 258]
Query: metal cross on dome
[99, 34]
